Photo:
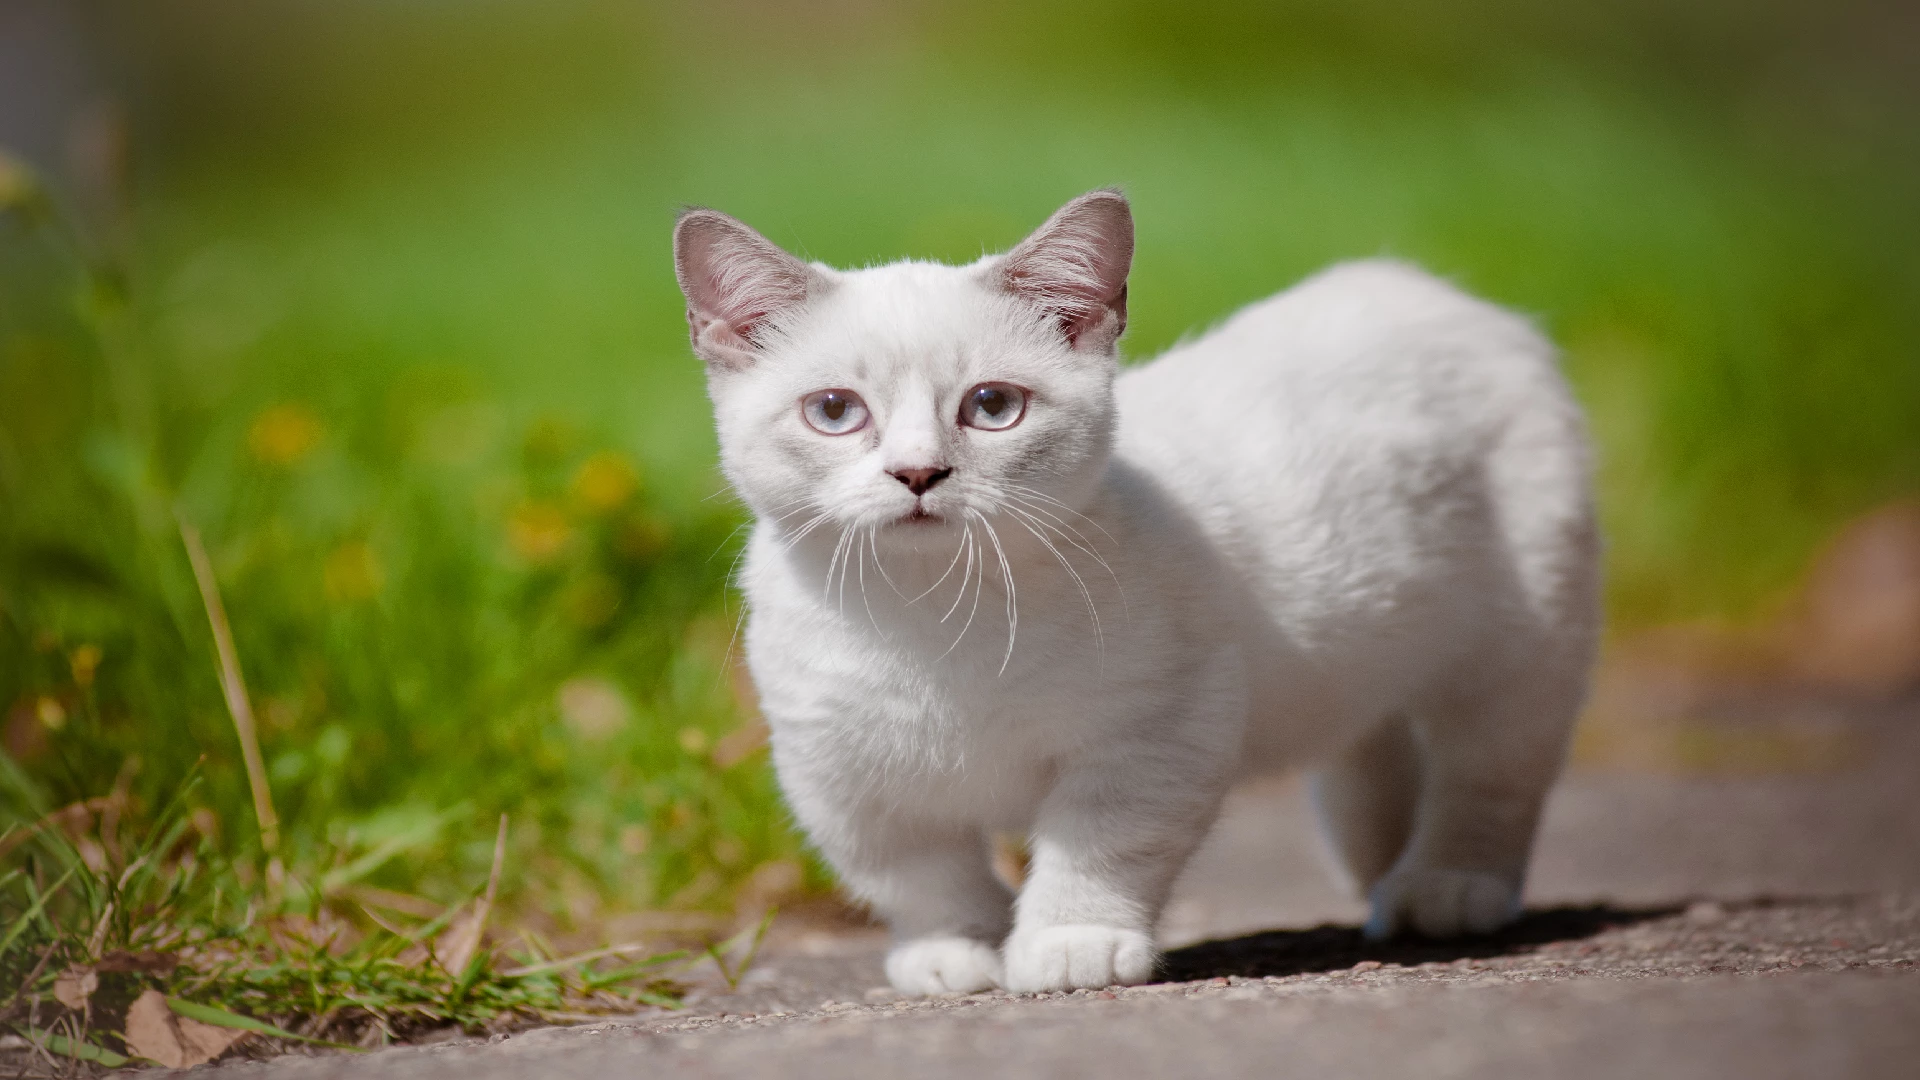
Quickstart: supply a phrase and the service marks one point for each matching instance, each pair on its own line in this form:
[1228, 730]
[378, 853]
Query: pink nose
[920, 481]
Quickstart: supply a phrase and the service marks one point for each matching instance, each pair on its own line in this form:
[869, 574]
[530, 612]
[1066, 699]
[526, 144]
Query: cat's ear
[1075, 268]
[735, 281]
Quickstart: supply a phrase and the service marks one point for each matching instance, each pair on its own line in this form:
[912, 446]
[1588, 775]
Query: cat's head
[908, 397]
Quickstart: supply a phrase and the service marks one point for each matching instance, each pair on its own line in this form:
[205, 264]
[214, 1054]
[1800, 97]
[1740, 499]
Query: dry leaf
[155, 1033]
[740, 744]
[158, 963]
[75, 986]
[457, 946]
[151, 1033]
[205, 1041]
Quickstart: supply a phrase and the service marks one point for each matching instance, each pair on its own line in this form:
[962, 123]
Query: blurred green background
[378, 295]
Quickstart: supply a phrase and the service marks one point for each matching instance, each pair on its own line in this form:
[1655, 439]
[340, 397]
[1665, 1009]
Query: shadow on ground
[1333, 948]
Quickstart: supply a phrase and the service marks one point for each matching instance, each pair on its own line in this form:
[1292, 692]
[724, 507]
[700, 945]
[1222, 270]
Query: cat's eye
[834, 412]
[993, 406]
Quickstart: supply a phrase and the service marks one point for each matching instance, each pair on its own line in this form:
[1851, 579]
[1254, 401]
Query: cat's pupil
[990, 401]
[834, 407]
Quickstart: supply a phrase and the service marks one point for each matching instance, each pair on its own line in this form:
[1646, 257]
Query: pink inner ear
[1075, 266]
[733, 278]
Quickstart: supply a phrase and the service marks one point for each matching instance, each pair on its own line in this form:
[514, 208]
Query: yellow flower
[16, 183]
[283, 434]
[634, 839]
[729, 851]
[53, 715]
[84, 661]
[352, 573]
[605, 480]
[593, 707]
[538, 530]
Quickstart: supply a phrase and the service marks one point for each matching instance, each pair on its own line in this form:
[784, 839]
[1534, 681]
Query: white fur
[1348, 530]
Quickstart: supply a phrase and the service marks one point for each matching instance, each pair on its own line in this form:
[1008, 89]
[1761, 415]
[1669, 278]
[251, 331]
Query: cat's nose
[920, 481]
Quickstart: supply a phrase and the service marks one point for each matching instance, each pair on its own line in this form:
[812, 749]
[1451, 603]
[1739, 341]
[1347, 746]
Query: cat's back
[1379, 345]
[1363, 447]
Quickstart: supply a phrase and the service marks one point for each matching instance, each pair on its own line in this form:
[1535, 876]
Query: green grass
[397, 331]
[105, 911]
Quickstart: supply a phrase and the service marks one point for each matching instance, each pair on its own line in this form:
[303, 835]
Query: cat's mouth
[918, 516]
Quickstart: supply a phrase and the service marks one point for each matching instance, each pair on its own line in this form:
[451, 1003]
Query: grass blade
[208, 1014]
[33, 912]
[75, 1048]
[234, 686]
[590, 957]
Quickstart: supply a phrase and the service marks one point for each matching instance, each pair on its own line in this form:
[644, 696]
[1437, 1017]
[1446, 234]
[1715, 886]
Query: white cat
[996, 584]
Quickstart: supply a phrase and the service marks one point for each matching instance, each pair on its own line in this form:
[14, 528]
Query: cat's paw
[1077, 957]
[1441, 903]
[943, 965]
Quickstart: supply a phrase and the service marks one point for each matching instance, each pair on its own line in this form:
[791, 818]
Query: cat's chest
[985, 753]
[889, 717]
[899, 691]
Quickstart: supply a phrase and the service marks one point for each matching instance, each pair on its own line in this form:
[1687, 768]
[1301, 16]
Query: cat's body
[1348, 530]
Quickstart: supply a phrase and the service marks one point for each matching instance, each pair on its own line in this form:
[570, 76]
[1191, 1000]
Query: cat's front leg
[934, 886]
[1107, 845]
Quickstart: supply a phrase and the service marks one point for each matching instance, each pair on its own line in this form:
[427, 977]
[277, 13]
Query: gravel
[1683, 925]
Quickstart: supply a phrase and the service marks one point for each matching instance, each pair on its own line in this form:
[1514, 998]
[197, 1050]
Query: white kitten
[997, 585]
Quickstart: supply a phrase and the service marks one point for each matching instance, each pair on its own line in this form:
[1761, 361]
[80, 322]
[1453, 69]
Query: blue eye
[834, 412]
[994, 406]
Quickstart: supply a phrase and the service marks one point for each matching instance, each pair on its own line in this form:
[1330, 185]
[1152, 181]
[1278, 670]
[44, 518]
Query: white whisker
[977, 586]
[957, 549]
[1058, 525]
[729, 539]
[966, 542]
[1035, 493]
[733, 640]
[1079, 541]
[1013, 606]
[838, 548]
[1093, 612]
[847, 538]
[862, 555]
[811, 524]
[873, 544]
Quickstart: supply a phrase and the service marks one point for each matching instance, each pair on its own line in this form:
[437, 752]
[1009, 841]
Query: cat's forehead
[911, 317]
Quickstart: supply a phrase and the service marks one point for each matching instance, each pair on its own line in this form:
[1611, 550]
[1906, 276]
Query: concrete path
[1679, 926]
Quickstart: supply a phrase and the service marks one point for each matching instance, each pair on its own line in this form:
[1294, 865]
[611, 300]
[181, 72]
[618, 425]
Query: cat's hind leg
[1366, 799]
[1491, 730]
[1488, 754]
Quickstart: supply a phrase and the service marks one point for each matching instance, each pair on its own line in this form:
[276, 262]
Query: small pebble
[1368, 965]
[1706, 913]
